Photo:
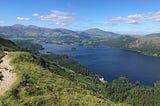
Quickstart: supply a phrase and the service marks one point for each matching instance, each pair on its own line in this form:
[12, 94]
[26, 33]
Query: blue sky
[121, 16]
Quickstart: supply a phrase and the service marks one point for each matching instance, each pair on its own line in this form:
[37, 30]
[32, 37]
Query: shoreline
[133, 81]
[130, 50]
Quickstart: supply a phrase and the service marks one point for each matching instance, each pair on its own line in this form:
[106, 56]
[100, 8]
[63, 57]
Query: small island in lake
[73, 49]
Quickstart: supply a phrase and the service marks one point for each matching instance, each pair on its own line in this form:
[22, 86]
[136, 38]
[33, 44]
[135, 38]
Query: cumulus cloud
[57, 17]
[135, 18]
[156, 17]
[35, 15]
[23, 19]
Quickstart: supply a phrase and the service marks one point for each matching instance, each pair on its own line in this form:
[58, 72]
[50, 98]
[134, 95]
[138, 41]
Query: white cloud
[2, 22]
[136, 18]
[23, 19]
[57, 17]
[156, 17]
[35, 15]
[132, 19]
[107, 24]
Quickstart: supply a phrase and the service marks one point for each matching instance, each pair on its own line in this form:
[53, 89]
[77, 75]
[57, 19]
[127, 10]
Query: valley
[53, 77]
[146, 44]
[111, 63]
[80, 53]
[41, 82]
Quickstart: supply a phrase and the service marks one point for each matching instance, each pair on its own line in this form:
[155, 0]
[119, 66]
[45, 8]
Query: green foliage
[88, 82]
[120, 90]
[7, 45]
[64, 61]
[1, 54]
[36, 86]
[145, 45]
[29, 46]
[69, 83]
[73, 71]
[120, 42]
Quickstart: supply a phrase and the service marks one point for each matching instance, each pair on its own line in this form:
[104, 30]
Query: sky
[120, 16]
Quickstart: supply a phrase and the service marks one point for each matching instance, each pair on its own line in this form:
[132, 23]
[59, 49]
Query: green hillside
[148, 45]
[7, 45]
[119, 90]
[55, 80]
[37, 86]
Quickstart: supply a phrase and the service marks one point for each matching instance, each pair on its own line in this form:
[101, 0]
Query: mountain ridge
[100, 33]
[90, 31]
[153, 34]
[22, 29]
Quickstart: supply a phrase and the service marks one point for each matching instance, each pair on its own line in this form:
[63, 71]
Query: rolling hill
[98, 33]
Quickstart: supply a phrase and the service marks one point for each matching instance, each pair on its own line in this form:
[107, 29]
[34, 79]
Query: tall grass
[36, 86]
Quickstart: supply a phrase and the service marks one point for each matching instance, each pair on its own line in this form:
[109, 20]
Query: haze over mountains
[31, 31]
[148, 44]
[154, 34]
[19, 30]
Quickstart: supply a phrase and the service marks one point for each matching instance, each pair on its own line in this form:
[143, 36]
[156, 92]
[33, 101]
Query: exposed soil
[8, 76]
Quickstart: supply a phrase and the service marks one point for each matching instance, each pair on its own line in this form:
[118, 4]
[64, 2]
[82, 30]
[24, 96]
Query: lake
[111, 63]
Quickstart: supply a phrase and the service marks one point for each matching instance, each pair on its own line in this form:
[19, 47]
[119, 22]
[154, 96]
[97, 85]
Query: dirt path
[8, 76]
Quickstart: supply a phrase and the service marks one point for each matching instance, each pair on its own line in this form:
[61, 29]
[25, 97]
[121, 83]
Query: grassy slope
[120, 90]
[7, 45]
[73, 71]
[36, 85]
[147, 45]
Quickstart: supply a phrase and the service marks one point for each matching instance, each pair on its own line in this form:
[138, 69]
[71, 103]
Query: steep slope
[35, 85]
[38, 84]
[148, 45]
[56, 80]
[7, 45]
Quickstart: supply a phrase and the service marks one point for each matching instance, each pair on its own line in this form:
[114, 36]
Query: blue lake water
[111, 63]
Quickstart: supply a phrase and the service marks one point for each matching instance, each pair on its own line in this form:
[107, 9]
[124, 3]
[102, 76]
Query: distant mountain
[31, 30]
[57, 35]
[95, 32]
[154, 34]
